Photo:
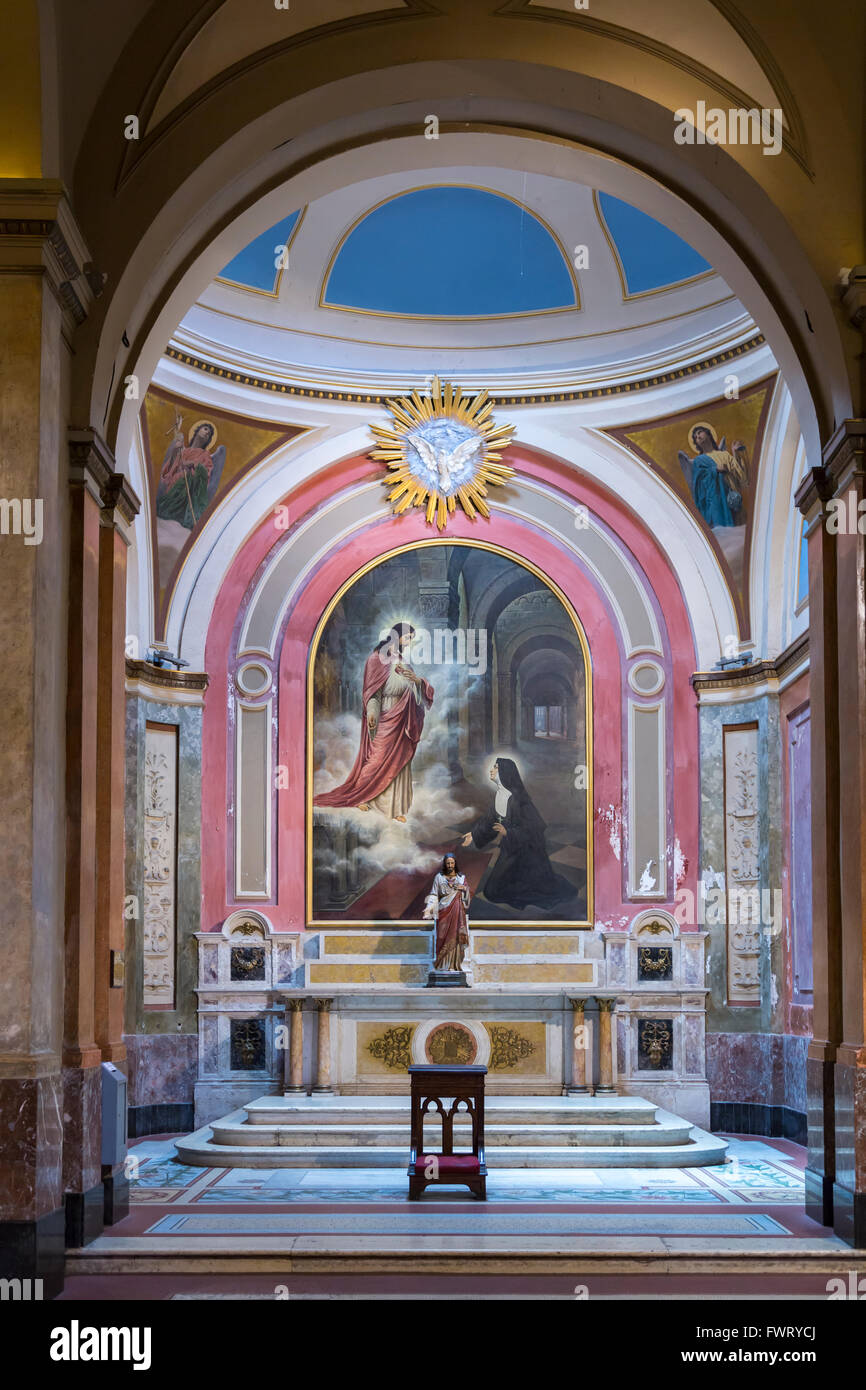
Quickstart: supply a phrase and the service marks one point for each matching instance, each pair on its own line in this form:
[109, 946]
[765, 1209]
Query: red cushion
[448, 1163]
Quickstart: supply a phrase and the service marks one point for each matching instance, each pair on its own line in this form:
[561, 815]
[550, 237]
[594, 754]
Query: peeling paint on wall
[611, 819]
[681, 865]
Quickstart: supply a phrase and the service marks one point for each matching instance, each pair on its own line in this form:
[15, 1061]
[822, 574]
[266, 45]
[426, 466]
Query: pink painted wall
[287, 908]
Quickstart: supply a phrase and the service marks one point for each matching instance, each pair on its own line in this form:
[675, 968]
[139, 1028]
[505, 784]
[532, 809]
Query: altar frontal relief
[449, 710]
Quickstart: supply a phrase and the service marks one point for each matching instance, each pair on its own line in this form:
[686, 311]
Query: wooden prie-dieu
[451, 1091]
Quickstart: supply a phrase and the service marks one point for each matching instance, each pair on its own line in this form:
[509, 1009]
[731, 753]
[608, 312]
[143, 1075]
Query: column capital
[92, 467]
[91, 462]
[120, 505]
[294, 1005]
[813, 493]
[577, 1004]
[607, 1005]
[324, 1005]
[39, 234]
[845, 455]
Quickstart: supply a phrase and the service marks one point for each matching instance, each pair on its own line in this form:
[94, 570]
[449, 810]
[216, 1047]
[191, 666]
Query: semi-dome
[497, 277]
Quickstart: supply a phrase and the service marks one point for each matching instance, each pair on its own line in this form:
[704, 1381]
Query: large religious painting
[450, 712]
[194, 455]
[709, 456]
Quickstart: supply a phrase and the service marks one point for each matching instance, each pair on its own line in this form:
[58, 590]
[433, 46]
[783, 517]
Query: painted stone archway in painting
[382, 809]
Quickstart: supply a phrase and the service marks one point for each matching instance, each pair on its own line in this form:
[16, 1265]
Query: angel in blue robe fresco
[718, 477]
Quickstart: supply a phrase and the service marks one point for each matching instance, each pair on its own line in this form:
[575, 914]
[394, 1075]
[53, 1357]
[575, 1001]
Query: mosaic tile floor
[759, 1172]
[318, 1228]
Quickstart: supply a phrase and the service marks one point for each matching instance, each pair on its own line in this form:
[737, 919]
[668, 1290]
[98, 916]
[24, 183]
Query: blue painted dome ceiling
[480, 273]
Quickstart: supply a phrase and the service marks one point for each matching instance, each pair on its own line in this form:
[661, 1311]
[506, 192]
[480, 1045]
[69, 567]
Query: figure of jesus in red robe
[394, 701]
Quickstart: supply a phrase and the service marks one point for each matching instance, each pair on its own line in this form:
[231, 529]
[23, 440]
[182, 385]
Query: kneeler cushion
[449, 1163]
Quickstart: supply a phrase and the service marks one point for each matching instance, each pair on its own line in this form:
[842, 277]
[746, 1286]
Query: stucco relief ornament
[444, 448]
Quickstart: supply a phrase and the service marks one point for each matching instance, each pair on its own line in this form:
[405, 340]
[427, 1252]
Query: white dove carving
[445, 462]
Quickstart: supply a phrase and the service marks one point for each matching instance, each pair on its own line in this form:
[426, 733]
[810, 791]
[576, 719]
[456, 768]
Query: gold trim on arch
[627, 294]
[253, 289]
[553, 396]
[324, 303]
[310, 921]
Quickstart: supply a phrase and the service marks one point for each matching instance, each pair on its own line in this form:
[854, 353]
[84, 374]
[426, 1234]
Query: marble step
[314, 1111]
[497, 1135]
[701, 1150]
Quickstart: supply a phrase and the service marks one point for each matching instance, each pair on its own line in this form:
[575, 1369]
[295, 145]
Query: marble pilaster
[46, 294]
[606, 1041]
[323, 1084]
[295, 1077]
[119, 509]
[581, 1048]
[845, 467]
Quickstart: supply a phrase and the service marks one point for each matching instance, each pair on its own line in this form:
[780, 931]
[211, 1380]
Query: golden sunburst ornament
[444, 448]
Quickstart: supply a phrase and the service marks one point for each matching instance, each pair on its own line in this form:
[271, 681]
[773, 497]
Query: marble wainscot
[345, 1011]
[243, 970]
[658, 975]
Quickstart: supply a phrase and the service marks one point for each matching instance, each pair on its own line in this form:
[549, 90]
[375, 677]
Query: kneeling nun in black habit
[522, 875]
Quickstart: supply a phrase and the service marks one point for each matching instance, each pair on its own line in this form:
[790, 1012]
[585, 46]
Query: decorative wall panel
[647, 856]
[799, 790]
[742, 864]
[160, 865]
[253, 811]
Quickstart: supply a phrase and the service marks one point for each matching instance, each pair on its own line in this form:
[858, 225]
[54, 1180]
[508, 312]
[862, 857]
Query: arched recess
[599, 133]
[273, 597]
[542, 584]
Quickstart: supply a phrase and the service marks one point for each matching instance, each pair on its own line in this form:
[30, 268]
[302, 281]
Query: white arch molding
[707, 598]
[600, 134]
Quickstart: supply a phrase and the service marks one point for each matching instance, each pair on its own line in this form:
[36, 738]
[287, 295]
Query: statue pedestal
[447, 979]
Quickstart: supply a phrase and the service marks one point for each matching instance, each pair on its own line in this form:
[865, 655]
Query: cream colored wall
[221, 152]
[20, 93]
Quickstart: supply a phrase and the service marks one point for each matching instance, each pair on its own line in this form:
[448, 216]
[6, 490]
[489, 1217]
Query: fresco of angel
[190, 473]
[718, 477]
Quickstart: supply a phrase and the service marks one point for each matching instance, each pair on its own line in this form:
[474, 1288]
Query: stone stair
[520, 1132]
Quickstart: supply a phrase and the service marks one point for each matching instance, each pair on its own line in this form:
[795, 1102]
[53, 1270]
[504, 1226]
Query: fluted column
[581, 1037]
[605, 1047]
[295, 1070]
[323, 1064]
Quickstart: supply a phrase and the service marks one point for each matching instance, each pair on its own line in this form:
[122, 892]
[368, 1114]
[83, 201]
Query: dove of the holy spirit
[448, 454]
[443, 451]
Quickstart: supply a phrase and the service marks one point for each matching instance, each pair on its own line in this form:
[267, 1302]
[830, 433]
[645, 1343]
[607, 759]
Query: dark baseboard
[174, 1117]
[32, 1251]
[748, 1117]
[85, 1217]
[115, 1190]
[849, 1216]
[819, 1197]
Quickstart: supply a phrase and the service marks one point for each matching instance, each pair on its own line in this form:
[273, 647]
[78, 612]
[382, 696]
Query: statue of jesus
[394, 700]
[447, 903]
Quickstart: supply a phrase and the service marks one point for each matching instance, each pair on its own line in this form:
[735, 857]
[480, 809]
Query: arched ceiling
[524, 281]
[711, 34]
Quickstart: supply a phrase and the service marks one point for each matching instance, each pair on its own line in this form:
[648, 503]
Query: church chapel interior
[432, 562]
